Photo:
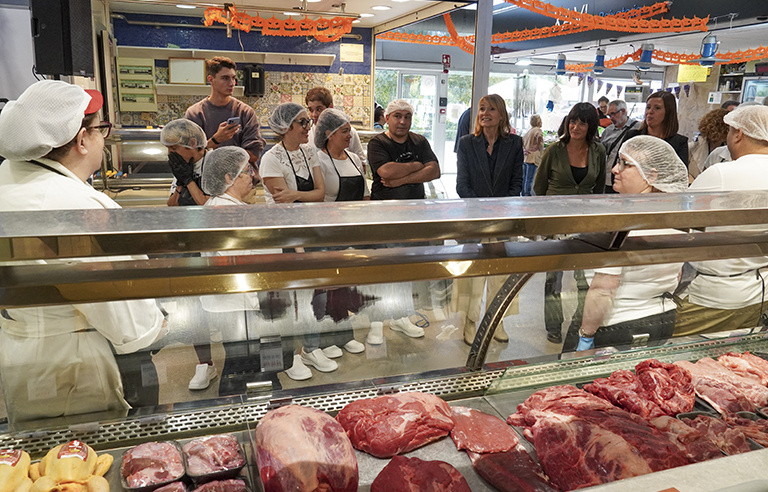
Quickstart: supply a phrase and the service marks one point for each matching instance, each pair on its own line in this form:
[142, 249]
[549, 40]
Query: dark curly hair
[713, 127]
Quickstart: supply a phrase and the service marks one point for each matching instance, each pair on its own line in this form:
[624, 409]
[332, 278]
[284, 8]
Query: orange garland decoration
[614, 23]
[458, 40]
[322, 29]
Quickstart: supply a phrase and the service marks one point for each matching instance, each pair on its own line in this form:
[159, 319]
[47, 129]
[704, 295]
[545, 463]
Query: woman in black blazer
[661, 121]
[490, 160]
[490, 164]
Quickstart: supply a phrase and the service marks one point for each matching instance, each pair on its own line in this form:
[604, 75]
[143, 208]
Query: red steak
[746, 365]
[730, 441]
[692, 442]
[232, 485]
[414, 475]
[213, 454]
[482, 433]
[722, 388]
[395, 424]
[303, 449]
[513, 471]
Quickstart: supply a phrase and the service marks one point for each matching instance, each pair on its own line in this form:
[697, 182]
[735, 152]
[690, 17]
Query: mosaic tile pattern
[351, 94]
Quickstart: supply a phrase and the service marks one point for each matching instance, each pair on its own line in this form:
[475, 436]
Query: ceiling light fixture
[381, 7]
[560, 67]
[366, 15]
[646, 57]
[599, 66]
[709, 46]
[182, 6]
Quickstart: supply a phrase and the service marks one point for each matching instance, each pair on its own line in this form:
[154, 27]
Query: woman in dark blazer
[490, 160]
[490, 164]
[661, 121]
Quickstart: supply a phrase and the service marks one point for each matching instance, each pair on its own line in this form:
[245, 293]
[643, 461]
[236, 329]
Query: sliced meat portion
[730, 441]
[482, 433]
[173, 487]
[625, 390]
[513, 471]
[414, 475]
[213, 454]
[151, 463]
[724, 396]
[395, 424]
[746, 365]
[667, 385]
[300, 448]
[232, 485]
[757, 430]
[582, 440]
[693, 443]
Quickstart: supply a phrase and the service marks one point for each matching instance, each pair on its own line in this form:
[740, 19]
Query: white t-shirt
[347, 167]
[354, 145]
[734, 283]
[641, 286]
[720, 154]
[276, 163]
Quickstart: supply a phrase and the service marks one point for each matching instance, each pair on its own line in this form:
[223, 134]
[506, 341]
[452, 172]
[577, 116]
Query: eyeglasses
[304, 123]
[105, 127]
[614, 113]
[248, 170]
[622, 164]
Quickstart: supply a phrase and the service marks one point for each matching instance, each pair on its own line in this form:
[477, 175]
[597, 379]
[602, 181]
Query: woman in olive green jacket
[574, 165]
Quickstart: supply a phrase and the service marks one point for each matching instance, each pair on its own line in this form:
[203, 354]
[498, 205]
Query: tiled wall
[351, 94]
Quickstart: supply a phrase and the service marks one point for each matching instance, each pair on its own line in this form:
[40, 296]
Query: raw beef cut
[232, 485]
[757, 429]
[730, 441]
[667, 385]
[395, 424]
[482, 433]
[625, 390]
[303, 449]
[172, 487]
[746, 365]
[513, 471]
[722, 388]
[213, 454]
[694, 444]
[582, 440]
[151, 463]
[654, 389]
[414, 475]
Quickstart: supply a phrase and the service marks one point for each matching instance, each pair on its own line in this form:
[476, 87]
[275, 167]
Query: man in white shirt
[730, 294]
[319, 99]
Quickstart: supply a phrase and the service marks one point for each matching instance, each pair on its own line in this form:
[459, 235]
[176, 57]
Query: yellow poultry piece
[14, 471]
[71, 467]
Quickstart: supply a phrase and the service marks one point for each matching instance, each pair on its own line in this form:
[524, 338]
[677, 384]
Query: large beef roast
[303, 449]
[512, 471]
[414, 475]
[395, 424]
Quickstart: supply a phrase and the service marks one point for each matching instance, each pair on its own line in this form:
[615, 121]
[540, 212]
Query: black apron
[351, 188]
[302, 184]
[46, 166]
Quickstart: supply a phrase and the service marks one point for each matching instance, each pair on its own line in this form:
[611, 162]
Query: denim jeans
[529, 171]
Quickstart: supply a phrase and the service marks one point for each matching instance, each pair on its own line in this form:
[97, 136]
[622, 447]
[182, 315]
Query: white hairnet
[654, 156]
[183, 132]
[398, 105]
[284, 114]
[46, 116]
[751, 120]
[218, 164]
[329, 121]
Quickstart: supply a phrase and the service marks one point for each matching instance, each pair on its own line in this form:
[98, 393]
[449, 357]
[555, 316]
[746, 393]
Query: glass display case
[252, 287]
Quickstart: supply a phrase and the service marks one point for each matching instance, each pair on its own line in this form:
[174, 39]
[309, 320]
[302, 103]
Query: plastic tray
[219, 474]
[151, 487]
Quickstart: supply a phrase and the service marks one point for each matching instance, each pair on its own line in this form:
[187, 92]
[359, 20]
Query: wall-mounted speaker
[61, 30]
[253, 80]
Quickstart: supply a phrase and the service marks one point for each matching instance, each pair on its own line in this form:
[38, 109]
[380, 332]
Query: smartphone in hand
[235, 120]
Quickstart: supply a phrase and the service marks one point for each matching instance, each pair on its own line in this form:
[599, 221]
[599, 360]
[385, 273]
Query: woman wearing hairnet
[624, 302]
[342, 172]
[58, 360]
[290, 169]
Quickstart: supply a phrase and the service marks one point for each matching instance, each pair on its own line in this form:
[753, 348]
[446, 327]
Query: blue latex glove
[586, 343]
